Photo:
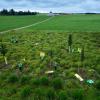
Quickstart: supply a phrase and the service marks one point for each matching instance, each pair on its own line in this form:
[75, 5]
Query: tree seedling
[55, 64]
[3, 51]
[70, 43]
[20, 66]
[14, 40]
[82, 56]
[50, 53]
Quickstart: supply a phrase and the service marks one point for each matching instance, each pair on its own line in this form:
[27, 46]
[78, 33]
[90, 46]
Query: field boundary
[27, 26]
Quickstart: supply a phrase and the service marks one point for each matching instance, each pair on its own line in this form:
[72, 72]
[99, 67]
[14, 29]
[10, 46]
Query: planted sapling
[20, 66]
[70, 43]
[3, 51]
[14, 40]
[82, 56]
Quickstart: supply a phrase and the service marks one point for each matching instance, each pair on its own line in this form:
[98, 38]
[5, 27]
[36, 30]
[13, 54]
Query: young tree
[3, 51]
[70, 43]
[82, 55]
[82, 58]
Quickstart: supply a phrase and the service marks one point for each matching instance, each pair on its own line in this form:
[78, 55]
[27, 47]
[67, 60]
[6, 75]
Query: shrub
[24, 79]
[57, 83]
[62, 95]
[97, 85]
[70, 42]
[11, 91]
[40, 81]
[12, 78]
[25, 92]
[82, 55]
[44, 81]
[98, 68]
[77, 94]
[50, 94]
[39, 94]
[35, 81]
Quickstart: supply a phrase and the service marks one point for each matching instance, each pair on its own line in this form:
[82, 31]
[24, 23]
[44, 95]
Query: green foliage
[3, 49]
[12, 91]
[12, 78]
[20, 66]
[70, 43]
[29, 46]
[25, 79]
[70, 40]
[77, 94]
[14, 40]
[82, 54]
[36, 81]
[40, 81]
[57, 83]
[97, 85]
[44, 81]
[50, 94]
[62, 95]
[39, 94]
[25, 92]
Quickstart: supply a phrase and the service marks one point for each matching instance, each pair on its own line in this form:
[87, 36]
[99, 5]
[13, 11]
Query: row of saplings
[4, 50]
[57, 83]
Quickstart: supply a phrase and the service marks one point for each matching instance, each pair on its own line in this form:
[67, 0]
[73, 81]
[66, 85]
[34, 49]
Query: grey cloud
[55, 5]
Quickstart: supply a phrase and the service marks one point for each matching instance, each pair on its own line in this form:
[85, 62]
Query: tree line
[13, 12]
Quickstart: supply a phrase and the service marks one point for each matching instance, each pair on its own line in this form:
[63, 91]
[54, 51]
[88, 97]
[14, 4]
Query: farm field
[69, 23]
[32, 52]
[12, 22]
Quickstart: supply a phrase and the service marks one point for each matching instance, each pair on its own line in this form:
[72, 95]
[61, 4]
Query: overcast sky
[68, 6]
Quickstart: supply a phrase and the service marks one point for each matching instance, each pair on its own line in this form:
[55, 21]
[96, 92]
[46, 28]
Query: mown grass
[70, 23]
[12, 22]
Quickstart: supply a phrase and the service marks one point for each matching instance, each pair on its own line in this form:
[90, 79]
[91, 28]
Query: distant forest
[13, 12]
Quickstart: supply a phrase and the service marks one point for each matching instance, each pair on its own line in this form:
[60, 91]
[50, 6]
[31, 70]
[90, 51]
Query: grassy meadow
[69, 23]
[12, 22]
[24, 47]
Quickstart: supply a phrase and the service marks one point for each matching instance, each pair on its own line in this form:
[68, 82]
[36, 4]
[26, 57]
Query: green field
[51, 38]
[12, 22]
[70, 23]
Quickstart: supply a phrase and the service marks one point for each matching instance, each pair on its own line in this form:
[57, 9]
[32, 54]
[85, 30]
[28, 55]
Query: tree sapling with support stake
[70, 43]
[82, 56]
[3, 51]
